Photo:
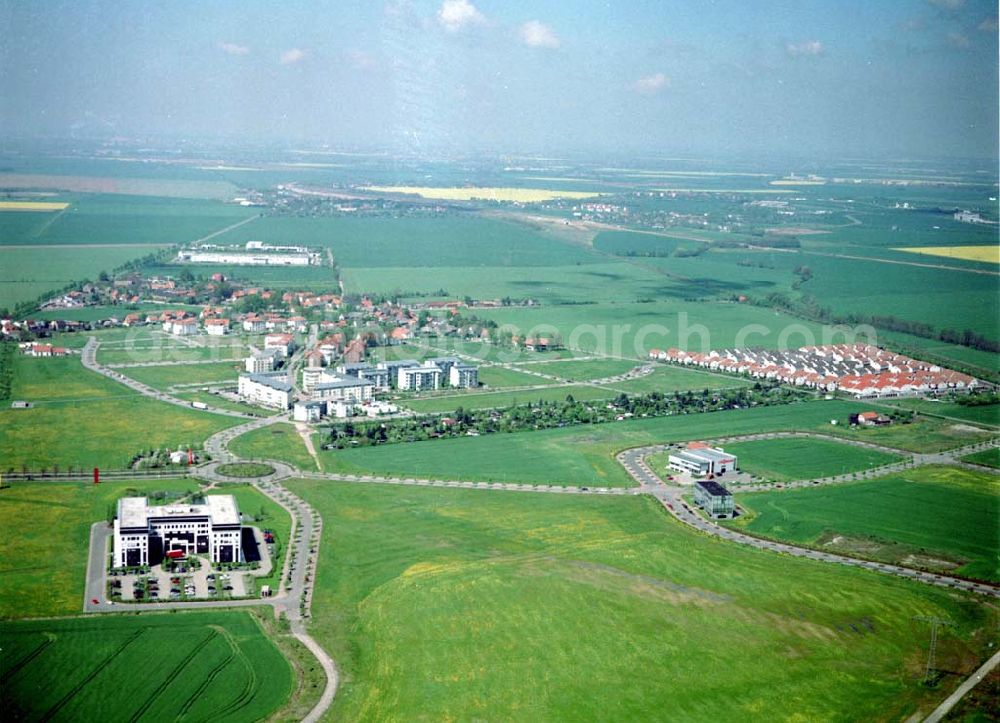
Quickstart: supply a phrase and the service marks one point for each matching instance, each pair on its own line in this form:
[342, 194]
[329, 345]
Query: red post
[97, 476]
[190, 456]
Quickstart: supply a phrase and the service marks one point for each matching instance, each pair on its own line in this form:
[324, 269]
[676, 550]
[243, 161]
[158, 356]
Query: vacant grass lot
[163, 376]
[979, 414]
[496, 377]
[464, 604]
[209, 666]
[584, 369]
[582, 455]
[84, 419]
[799, 458]
[667, 379]
[925, 434]
[988, 457]
[277, 441]
[927, 514]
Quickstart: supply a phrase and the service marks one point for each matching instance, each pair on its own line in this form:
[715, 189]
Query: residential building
[714, 499]
[349, 389]
[184, 327]
[261, 362]
[217, 327]
[421, 376]
[462, 376]
[282, 343]
[311, 411]
[267, 390]
[143, 534]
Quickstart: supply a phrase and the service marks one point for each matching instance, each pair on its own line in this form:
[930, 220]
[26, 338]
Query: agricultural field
[797, 458]
[276, 441]
[83, 419]
[581, 455]
[987, 254]
[942, 518]
[515, 195]
[988, 457]
[44, 564]
[209, 665]
[43, 250]
[166, 375]
[636, 609]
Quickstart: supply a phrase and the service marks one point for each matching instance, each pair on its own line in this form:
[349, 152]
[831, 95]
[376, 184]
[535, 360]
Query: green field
[988, 457]
[464, 604]
[944, 518]
[498, 377]
[669, 378]
[580, 455]
[167, 351]
[977, 414]
[163, 376]
[44, 564]
[209, 666]
[798, 458]
[84, 419]
[276, 441]
[41, 252]
[584, 369]
[925, 434]
[27, 273]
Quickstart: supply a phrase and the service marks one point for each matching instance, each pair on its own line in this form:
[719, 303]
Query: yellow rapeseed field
[32, 206]
[989, 253]
[515, 195]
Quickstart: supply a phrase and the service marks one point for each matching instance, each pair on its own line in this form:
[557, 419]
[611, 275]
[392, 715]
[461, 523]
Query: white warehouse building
[702, 460]
[143, 535]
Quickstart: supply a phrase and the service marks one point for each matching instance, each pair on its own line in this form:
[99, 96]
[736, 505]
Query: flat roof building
[266, 389]
[702, 461]
[143, 535]
[714, 499]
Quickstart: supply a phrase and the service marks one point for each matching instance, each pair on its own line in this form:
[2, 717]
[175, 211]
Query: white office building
[702, 461]
[143, 535]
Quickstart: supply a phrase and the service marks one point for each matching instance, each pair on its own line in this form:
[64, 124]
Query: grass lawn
[979, 414]
[937, 517]
[799, 458]
[988, 457]
[44, 565]
[209, 666]
[582, 455]
[163, 376]
[678, 379]
[925, 434]
[462, 605]
[484, 400]
[84, 419]
[276, 441]
[496, 377]
[584, 369]
[162, 350]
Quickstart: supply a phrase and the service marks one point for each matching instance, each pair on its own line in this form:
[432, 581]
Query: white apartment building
[184, 327]
[143, 535]
[266, 390]
[461, 376]
[260, 362]
[217, 327]
[424, 376]
[350, 389]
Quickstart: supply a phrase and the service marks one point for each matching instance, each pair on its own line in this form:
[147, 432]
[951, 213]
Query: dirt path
[306, 433]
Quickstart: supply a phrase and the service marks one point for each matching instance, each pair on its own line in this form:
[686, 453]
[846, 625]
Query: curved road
[671, 497]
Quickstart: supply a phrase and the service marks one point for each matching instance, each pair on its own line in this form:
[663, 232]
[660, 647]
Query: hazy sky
[837, 77]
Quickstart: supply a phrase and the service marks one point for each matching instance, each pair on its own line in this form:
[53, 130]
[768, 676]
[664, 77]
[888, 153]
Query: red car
[95, 601]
